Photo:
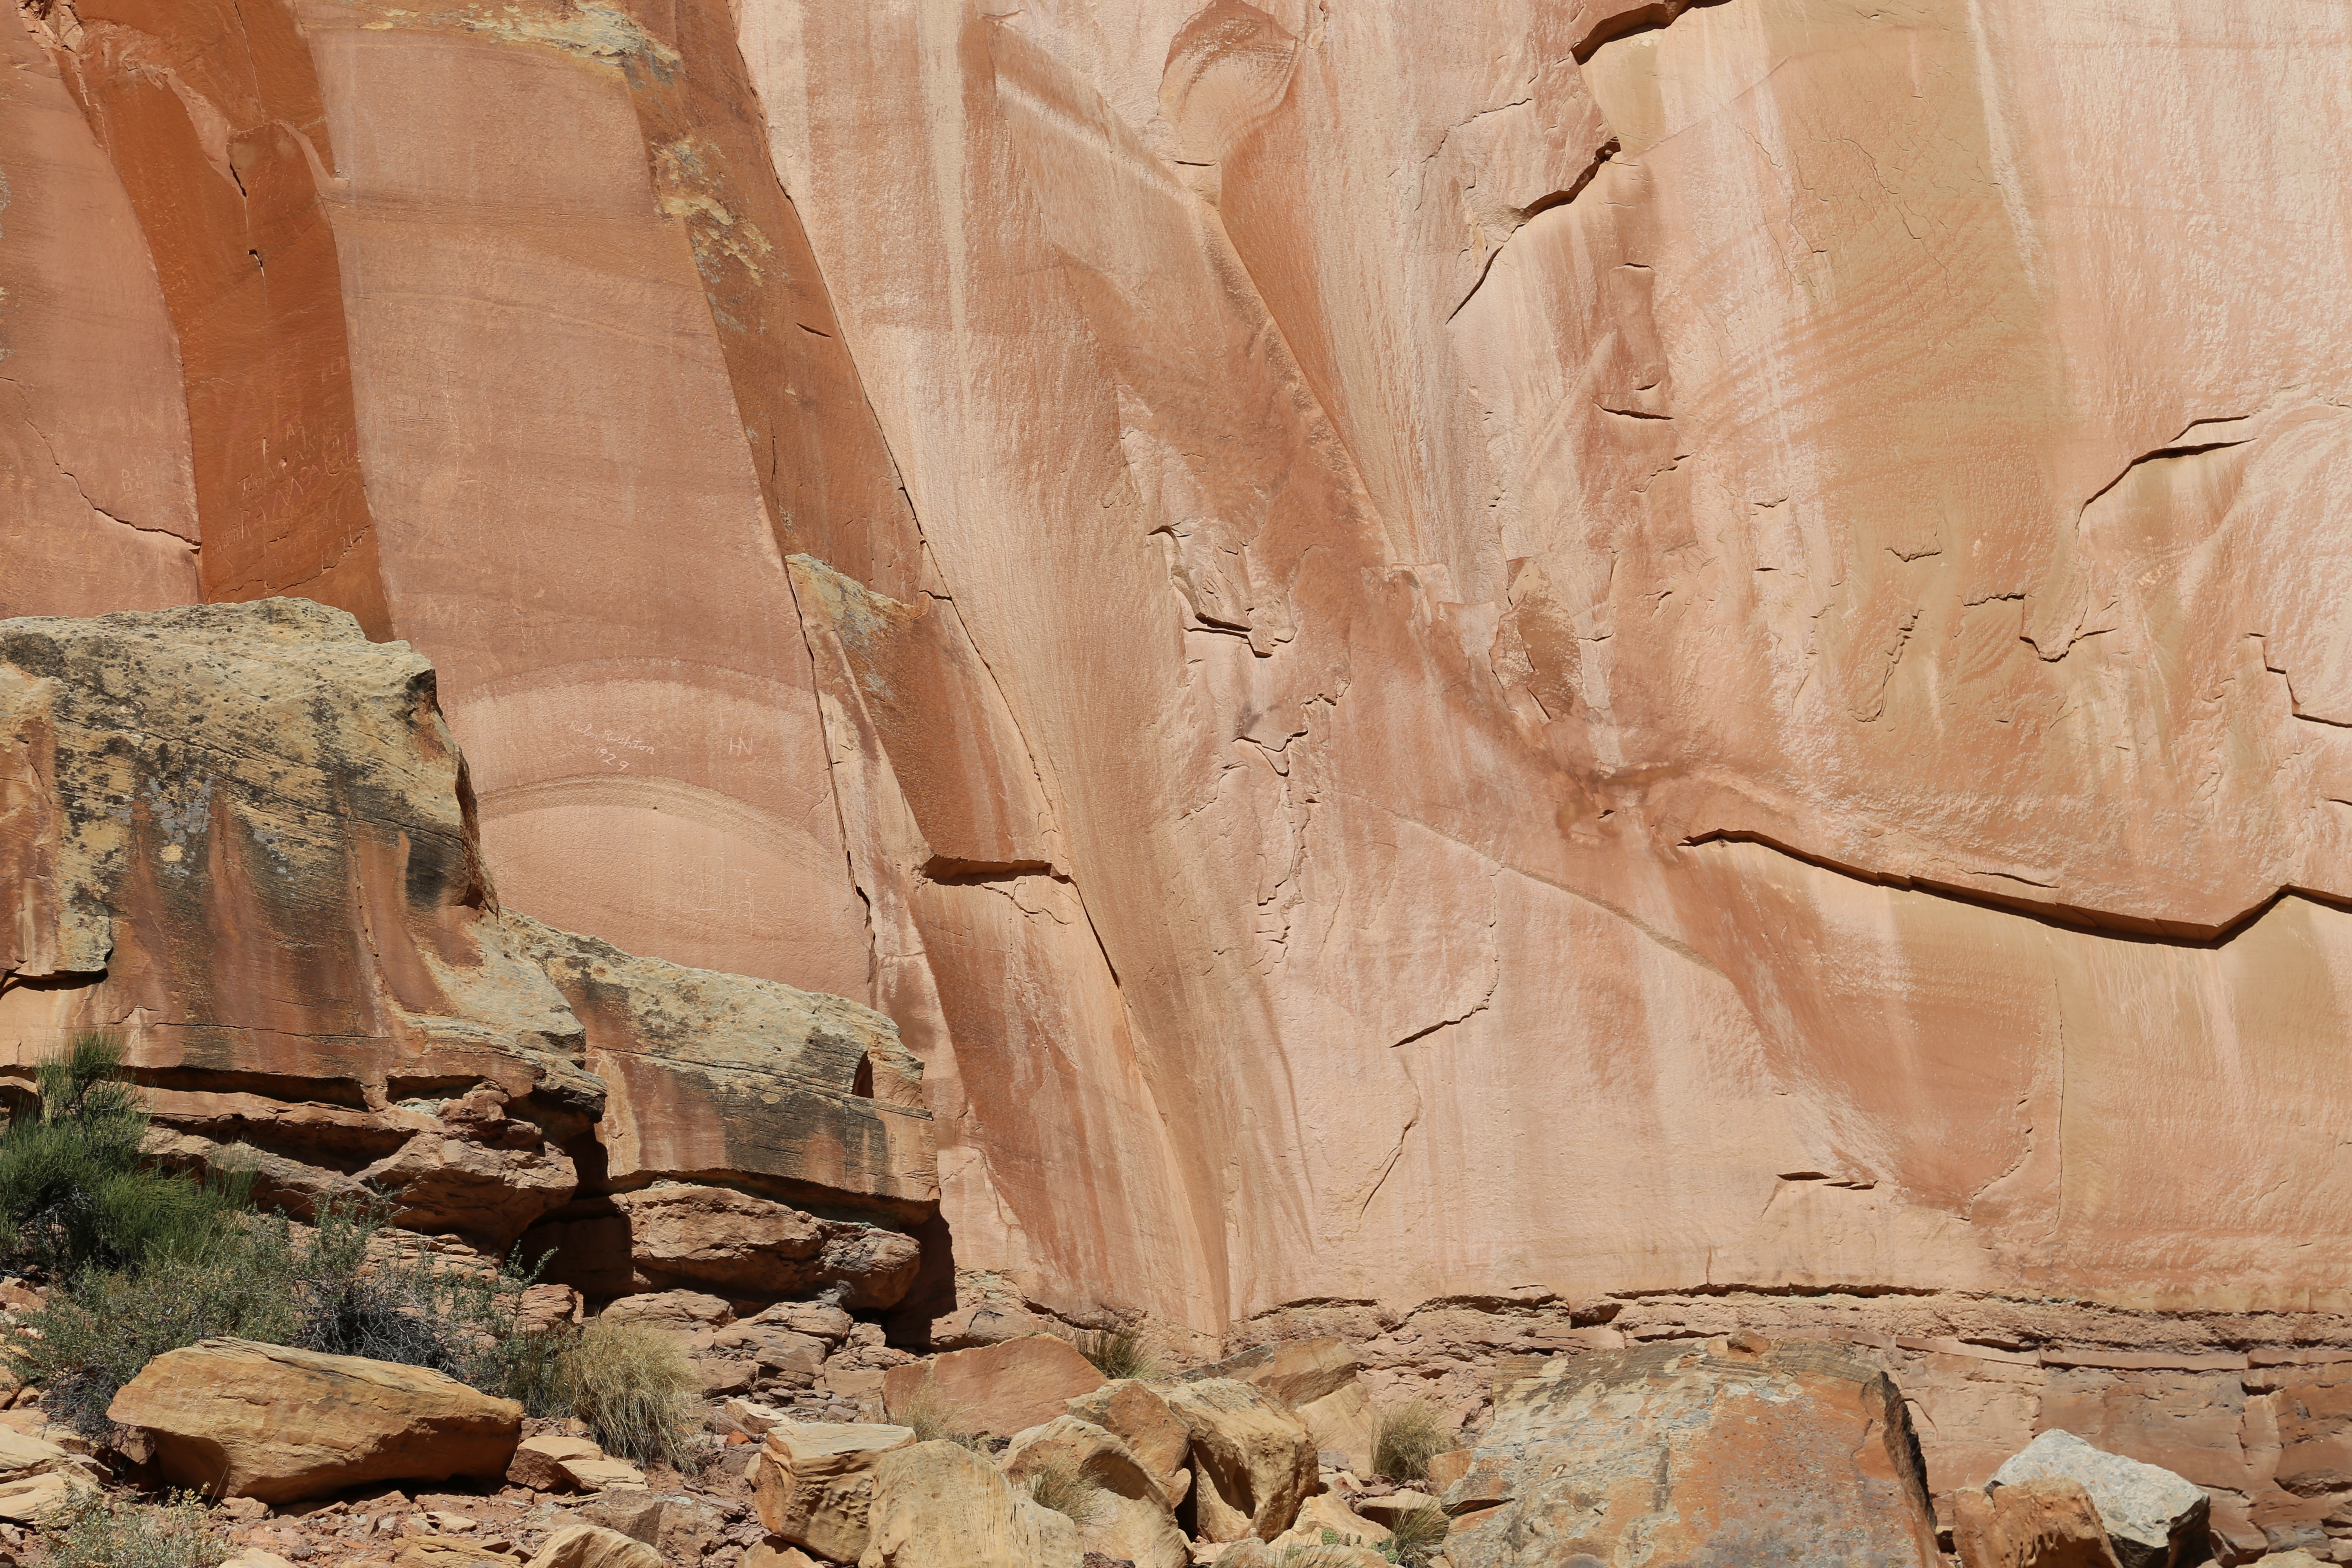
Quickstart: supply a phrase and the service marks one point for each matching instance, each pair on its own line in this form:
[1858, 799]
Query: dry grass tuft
[1406, 1436]
[936, 1418]
[638, 1394]
[1058, 1484]
[1119, 1352]
[1416, 1536]
[99, 1531]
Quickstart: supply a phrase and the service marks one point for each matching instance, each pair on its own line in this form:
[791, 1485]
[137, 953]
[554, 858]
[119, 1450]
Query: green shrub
[638, 1392]
[1405, 1437]
[258, 1280]
[100, 1532]
[1055, 1483]
[1416, 1537]
[1119, 1352]
[73, 1194]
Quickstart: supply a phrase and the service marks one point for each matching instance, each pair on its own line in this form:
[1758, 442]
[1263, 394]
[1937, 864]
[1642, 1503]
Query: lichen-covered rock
[2151, 1515]
[1686, 1452]
[240, 1419]
[243, 834]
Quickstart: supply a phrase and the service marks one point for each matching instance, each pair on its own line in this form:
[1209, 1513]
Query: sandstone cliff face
[240, 834]
[1424, 650]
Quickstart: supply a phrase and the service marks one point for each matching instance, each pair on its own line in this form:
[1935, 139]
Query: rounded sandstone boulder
[241, 1419]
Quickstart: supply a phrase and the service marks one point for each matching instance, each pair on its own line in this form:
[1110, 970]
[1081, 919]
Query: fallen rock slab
[1132, 1522]
[1252, 1458]
[594, 1546]
[1136, 1413]
[1695, 1452]
[241, 1419]
[540, 1463]
[939, 1505]
[999, 1390]
[2152, 1516]
[2045, 1523]
[814, 1483]
[33, 1498]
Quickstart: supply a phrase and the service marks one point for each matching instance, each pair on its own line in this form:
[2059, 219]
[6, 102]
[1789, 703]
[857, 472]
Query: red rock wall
[1424, 649]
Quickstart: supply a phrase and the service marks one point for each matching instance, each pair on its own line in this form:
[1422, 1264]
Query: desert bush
[533, 1369]
[638, 1393]
[1119, 1352]
[1057, 1483]
[259, 1278]
[100, 1532]
[936, 1418]
[73, 1194]
[1405, 1437]
[1416, 1537]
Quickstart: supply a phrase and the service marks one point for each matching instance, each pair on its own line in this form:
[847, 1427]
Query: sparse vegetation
[1415, 1537]
[936, 1418]
[636, 1391]
[1119, 1352]
[101, 1532]
[1406, 1436]
[1057, 1483]
[325, 1288]
[73, 1191]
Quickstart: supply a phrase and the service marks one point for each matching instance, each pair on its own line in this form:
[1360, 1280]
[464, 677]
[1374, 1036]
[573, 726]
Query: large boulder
[713, 1238]
[240, 1419]
[815, 1482]
[997, 1390]
[1136, 1413]
[1252, 1458]
[2045, 1523]
[1695, 1452]
[1133, 1521]
[939, 1505]
[2154, 1519]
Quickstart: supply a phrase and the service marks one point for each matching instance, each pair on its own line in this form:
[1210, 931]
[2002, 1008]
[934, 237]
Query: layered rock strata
[1427, 650]
[241, 836]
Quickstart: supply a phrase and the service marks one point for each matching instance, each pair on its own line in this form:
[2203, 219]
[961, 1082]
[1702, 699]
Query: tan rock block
[252, 1420]
[594, 1546]
[1342, 1422]
[1134, 1520]
[720, 1239]
[1137, 1415]
[32, 1498]
[1675, 1451]
[540, 1463]
[814, 1483]
[1326, 1510]
[2044, 1524]
[601, 1474]
[1253, 1459]
[1001, 1389]
[446, 1551]
[939, 1505]
[1297, 1372]
[1387, 1510]
[770, 1554]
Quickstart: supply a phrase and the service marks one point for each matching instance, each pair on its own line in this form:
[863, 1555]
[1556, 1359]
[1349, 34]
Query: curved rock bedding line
[242, 837]
[1264, 582]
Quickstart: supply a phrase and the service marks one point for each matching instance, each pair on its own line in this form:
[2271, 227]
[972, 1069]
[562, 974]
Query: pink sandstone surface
[1427, 650]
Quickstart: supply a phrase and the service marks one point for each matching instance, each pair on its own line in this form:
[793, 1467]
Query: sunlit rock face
[1424, 648]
